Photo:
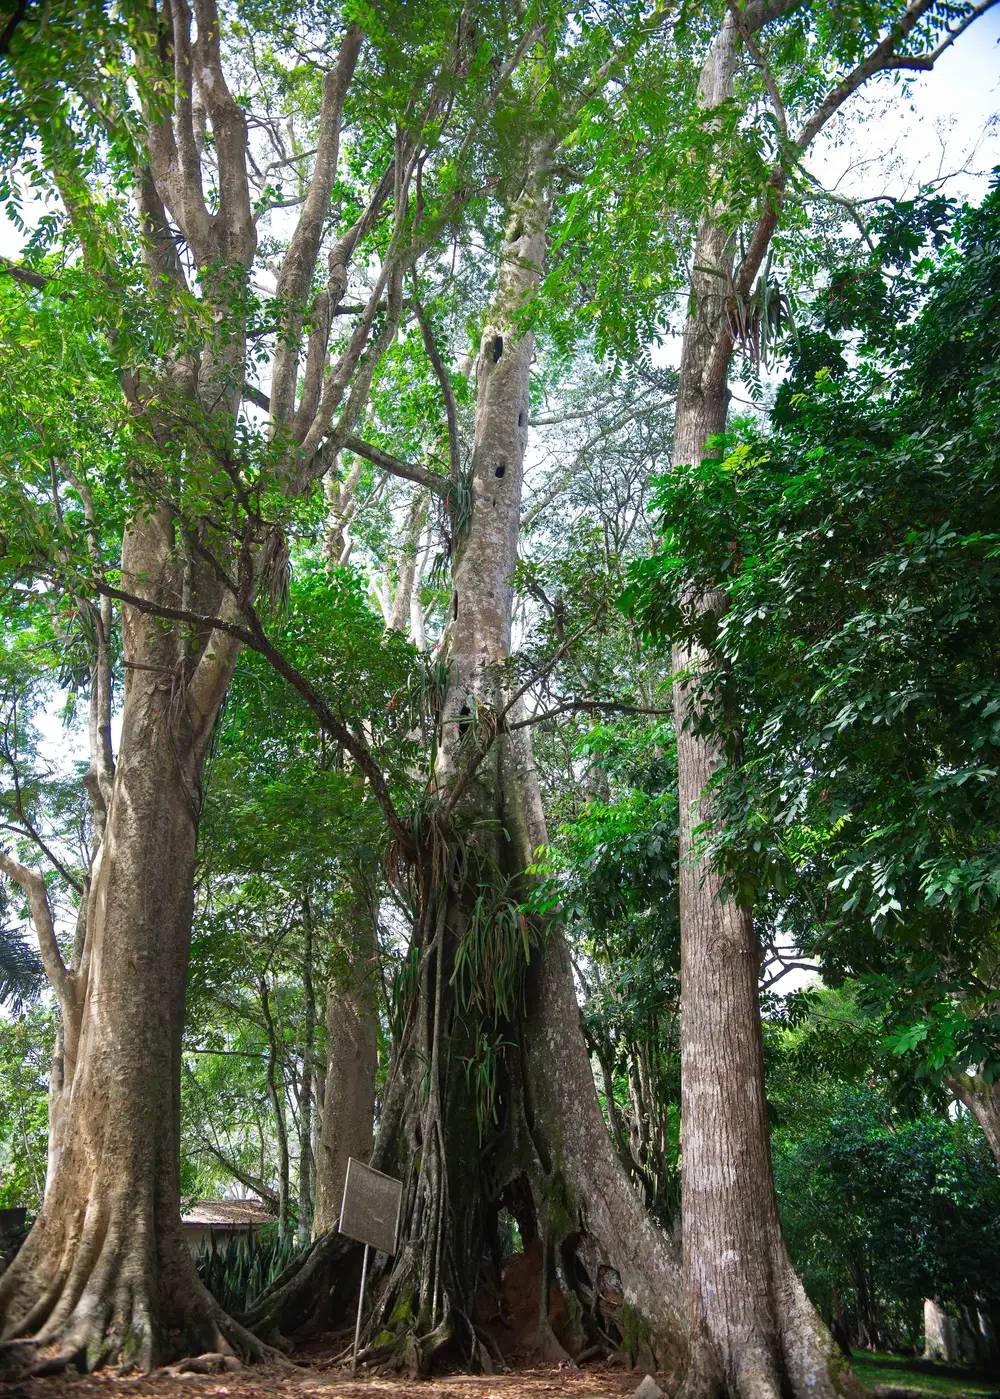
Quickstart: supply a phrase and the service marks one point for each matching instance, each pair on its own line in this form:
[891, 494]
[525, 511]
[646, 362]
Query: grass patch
[873, 1369]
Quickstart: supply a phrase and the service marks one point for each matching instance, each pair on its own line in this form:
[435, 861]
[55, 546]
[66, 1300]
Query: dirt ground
[322, 1380]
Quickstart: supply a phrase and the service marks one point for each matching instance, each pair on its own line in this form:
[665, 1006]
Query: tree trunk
[553, 1129]
[306, 1094]
[106, 1272]
[457, 1064]
[399, 616]
[352, 1063]
[341, 504]
[754, 1333]
[983, 1101]
[939, 1333]
[276, 1097]
[606, 1213]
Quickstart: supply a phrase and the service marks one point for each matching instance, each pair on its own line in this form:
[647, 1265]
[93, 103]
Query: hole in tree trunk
[497, 348]
[522, 419]
[454, 605]
[499, 470]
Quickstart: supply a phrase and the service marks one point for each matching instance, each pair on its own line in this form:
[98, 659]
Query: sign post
[369, 1213]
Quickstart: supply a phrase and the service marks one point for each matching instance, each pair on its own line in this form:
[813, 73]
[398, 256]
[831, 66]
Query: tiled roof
[226, 1212]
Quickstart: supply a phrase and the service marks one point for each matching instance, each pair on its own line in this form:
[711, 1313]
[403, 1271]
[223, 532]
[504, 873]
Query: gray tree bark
[106, 1269]
[347, 1123]
[983, 1101]
[306, 1102]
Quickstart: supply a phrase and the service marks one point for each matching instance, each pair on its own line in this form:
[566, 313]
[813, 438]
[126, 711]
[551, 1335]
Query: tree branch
[880, 58]
[299, 262]
[433, 480]
[927, 61]
[7, 33]
[447, 392]
[33, 885]
[37, 280]
[255, 637]
[757, 55]
[619, 421]
[587, 706]
[252, 1182]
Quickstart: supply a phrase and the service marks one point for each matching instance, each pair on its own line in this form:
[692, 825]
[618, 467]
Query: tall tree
[754, 1331]
[859, 633]
[106, 1271]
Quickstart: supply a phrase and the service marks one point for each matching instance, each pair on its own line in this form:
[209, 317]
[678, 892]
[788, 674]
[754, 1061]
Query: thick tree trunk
[106, 1272]
[438, 1133]
[478, 638]
[606, 1214]
[754, 1333]
[352, 1063]
[565, 1150]
[983, 1101]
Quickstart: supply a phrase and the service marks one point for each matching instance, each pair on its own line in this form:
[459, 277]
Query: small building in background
[222, 1220]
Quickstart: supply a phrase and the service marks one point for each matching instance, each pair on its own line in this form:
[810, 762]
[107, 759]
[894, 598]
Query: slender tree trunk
[276, 1097]
[754, 1333]
[306, 1095]
[341, 504]
[352, 1063]
[418, 634]
[106, 1270]
[399, 616]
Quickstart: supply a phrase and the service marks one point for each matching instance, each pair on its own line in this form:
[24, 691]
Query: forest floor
[319, 1381]
[322, 1378]
[874, 1370]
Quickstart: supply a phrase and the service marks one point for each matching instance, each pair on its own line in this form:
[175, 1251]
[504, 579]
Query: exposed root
[247, 1345]
[212, 1363]
[302, 1292]
[98, 1290]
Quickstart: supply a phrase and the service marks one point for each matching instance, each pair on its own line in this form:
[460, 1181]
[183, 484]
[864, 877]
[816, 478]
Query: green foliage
[26, 1046]
[913, 1202]
[238, 1269]
[21, 974]
[494, 950]
[611, 873]
[653, 161]
[853, 674]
